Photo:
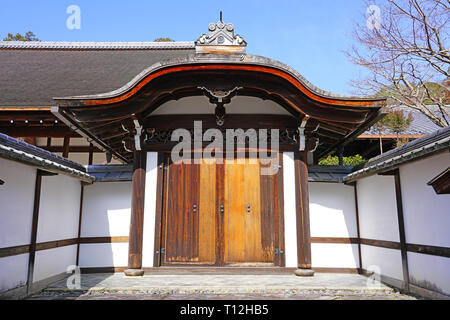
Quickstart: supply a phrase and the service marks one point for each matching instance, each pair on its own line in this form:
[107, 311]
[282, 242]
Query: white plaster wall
[426, 214]
[334, 255]
[332, 210]
[377, 208]
[106, 213]
[103, 255]
[13, 272]
[59, 208]
[290, 221]
[16, 203]
[52, 262]
[383, 261]
[430, 272]
[238, 105]
[106, 209]
[149, 209]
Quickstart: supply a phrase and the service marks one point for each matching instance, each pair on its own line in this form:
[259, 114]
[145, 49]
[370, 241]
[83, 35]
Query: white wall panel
[149, 209]
[290, 219]
[106, 209]
[16, 203]
[59, 208]
[378, 208]
[334, 255]
[51, 262]
[104, 255]
[332, 210]
[429, 272]
[13, 272]
[384, 261]
[426, 214]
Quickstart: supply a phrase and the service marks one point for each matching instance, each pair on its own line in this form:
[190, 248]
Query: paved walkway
[191, 287]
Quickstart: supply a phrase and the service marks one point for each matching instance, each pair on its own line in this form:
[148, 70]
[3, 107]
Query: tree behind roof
[29, 36]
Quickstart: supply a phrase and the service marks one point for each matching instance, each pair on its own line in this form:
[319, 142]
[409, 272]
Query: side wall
[426, 219]
[333, 226]
[105, 225]
[57, 228]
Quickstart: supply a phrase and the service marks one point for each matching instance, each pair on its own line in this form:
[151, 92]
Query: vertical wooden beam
[159, 208]
[49, 141]
[34, 226]
[302, 213]
[91, 154]
[66, 146]
[401, 228]
[79, 223]
[357, 225]
[137, 215]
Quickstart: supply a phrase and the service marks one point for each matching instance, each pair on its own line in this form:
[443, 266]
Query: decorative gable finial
[220, 39]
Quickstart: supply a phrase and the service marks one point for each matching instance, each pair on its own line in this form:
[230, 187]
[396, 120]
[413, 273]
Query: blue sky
[308, 35]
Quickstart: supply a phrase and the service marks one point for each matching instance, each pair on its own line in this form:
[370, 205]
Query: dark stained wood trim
[358, 232]
[220, 220]
[137, 211]
[103, 270]
[281, 237]
[158, 210]
[334, 240]
[431, 250]
[92, 240]
[34, 228]
[44, 132]
[337, 270]
[73, 149]
[14, 251]
[56, 244]
[441, 183]
[380, 243]
[302, 210]
[91, 154]
[66, 146]
[401, 228]
[79, 224]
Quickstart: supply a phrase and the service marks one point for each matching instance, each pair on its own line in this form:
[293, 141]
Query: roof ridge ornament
[220, 40]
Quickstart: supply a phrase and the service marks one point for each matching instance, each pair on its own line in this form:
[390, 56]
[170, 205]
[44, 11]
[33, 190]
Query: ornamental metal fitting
[220, 40]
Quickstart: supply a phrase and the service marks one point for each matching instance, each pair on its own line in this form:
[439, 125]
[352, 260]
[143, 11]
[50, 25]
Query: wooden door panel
[245, 219]
[234, 220]
[207, 213]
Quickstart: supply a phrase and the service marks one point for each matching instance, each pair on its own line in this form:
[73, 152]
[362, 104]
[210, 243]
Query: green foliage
[29, 36]
[164, 40]
[347, 161]
[397, 121]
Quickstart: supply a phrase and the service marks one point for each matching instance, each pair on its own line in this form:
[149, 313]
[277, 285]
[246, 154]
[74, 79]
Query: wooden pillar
[302, 213]
[80, 216]
[34, 226]
[91, 154]
[137, 216]
[66, 147]
[401, 227]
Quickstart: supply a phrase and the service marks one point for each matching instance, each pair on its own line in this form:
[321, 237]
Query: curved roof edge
[97, 45]
[244, 59]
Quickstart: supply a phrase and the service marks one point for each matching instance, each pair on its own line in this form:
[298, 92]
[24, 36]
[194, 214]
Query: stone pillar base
[134, 272]
[304, 272]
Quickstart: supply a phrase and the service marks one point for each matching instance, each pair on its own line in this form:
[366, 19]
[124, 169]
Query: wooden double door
[222, 214]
